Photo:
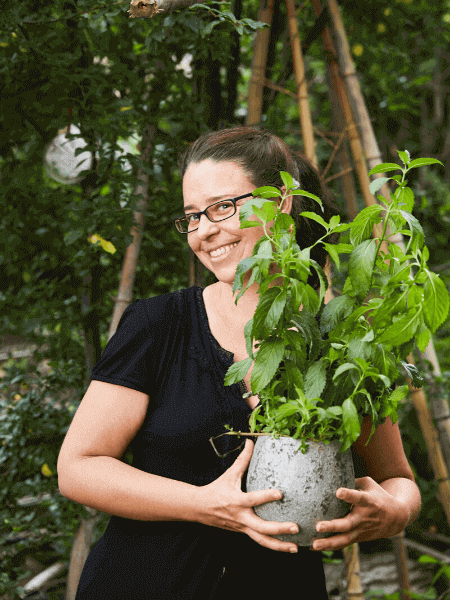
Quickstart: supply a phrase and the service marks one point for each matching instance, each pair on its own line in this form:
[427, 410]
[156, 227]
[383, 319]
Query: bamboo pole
[353, 574]
[303, 106]
[424, 414]
[401, 561]
[257, 80]
[355, 144]
[128, 273]
[302, 87]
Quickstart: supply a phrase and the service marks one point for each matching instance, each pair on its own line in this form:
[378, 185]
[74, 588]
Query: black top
[163, 347]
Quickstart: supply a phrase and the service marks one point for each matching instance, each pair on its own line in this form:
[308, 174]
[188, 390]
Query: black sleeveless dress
[163, 347]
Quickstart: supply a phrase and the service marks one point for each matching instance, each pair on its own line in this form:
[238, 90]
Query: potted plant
[320, 369]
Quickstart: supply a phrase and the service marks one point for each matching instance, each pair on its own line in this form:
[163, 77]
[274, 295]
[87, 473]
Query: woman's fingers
[225, 505]
[243, 460]
[271, 543]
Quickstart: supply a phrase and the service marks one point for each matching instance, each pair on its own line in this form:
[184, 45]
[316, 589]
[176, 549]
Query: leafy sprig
[320, 369]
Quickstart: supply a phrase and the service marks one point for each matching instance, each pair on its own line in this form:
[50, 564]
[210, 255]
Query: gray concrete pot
[308, 482]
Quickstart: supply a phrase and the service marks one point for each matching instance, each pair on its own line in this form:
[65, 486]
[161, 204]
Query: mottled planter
[308, 482]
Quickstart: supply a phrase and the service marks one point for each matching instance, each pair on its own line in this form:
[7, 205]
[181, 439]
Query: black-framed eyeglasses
[219, 211]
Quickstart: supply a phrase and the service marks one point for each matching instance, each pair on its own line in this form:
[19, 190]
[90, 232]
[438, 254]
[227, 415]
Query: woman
[183, 525]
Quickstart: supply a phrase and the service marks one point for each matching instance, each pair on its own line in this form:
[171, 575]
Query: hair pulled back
[262, 155]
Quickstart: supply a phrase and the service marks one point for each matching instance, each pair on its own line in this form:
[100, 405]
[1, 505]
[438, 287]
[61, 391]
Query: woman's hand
[226, 506]
[375, 514]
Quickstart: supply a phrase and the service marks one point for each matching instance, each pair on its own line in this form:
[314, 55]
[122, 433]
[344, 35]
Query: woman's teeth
[222, 250]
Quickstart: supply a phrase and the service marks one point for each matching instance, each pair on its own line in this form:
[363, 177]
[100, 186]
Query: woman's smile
[224, 251]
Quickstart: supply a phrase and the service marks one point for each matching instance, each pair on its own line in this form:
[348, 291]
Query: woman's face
[204, 181]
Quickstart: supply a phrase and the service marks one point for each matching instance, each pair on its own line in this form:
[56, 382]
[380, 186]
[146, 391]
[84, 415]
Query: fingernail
[294, 549]
[294, 529]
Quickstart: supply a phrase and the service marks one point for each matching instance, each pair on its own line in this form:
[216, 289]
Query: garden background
[170, 78]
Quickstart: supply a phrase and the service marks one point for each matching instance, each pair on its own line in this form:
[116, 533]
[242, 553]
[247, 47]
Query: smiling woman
[183, 524]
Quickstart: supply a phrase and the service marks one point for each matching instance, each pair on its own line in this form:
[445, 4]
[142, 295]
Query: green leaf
[334, 221]
[419, 162]
[413, 374]
[335, 410]
[336, 310]
[363, 224]
[286, 410]
[267, 361]
[383, 168]
[350, 419]
[310, 299]
[342, 227]
[297, 288]
[417, 237]
[343, 368]
[252, 420]
[237, 371]
[395, 303]
[265, 249]
[276, 310]
[266, 189]
[265, 301]
[308, 327]
[358, 348]
[248, 224]
[404, 156]
[343, 248]
[376, 184]
[427, 559]
[248, 336]
[360, 266]
[287, 180]
[315, 217]
[331, 249]
[406, 195]
[247, 209]
[435, 301]
[315, 379]
[398, 395]
[308, 195]
[423, 338]
[241, 270]
[402, 330]
[72, 236]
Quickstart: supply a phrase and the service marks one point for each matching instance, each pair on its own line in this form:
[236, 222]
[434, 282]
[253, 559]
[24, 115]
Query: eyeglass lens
[216, 212]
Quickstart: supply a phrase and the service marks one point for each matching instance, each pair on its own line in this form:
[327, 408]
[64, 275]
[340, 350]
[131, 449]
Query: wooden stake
[302, 87]
[354, 587]
[401, 560]
[128, 274]
[257, 80]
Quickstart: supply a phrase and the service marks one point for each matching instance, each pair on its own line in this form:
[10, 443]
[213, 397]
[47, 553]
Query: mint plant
[321, 369]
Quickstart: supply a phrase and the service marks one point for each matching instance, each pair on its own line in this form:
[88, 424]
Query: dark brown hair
[262, 155]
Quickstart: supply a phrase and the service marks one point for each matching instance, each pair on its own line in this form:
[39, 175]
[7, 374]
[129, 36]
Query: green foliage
[363, 342]
[33, 423]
